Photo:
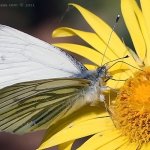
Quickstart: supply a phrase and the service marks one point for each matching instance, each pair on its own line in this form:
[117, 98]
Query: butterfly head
[103, 72]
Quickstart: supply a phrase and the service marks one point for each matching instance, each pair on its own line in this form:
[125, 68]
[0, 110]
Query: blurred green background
[39, 18]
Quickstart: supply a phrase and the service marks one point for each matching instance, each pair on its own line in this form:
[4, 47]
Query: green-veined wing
[25, 107]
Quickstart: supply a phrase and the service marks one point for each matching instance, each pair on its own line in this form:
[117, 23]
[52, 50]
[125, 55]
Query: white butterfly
[40, 83]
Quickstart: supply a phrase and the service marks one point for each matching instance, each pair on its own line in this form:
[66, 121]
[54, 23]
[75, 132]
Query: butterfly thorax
[98, 78]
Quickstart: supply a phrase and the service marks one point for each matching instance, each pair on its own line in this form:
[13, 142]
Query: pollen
[131, 109]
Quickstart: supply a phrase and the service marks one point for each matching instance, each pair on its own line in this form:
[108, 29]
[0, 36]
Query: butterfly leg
[103, 89]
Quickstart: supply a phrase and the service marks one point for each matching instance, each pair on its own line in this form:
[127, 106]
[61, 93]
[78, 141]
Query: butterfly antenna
[109, 98]
[113, 29]
[127, 56]
[117, 79]
[125, 63]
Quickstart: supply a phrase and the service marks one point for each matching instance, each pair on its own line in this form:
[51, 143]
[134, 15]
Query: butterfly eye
[104, 70]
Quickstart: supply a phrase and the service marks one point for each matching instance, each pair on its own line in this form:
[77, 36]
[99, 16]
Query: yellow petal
[145, 4]
[145, 146]
[118, 80]
[90, 67]
[95, 57]
[144, 29]
[94, 41]
[129, 146]
[136, 58]
[84, 114]
[86, 52]
[102, 30]
[114, 144]
[66, 146]
[121, 71]
[63, 32]
[90, 38]
[78, 130]
[135, 23]
[107, 140]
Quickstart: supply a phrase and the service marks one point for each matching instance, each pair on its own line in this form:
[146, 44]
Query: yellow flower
[128, 126]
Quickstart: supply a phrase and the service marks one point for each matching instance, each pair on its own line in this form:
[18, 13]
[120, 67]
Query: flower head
[127, 126]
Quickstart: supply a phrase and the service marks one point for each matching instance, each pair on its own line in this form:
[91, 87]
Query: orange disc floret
[131, 109]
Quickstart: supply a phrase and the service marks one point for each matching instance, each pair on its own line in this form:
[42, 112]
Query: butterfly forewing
[25, 58]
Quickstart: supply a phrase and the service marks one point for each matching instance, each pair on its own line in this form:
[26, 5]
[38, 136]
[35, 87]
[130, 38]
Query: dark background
[39, 18]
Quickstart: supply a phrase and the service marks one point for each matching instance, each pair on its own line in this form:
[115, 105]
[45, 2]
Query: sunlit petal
[83, 115]
[66, 146]
[145, 146]
[145, 9]
[63, 32]
[91, 38]
[135, 23]
[119, 79]
[103, 30]
[110, 139]
[90, 67]
[78, 130]
[145, 4]
[128, 146]
[84, 51]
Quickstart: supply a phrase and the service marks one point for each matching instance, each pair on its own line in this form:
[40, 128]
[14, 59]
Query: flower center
[131, 109]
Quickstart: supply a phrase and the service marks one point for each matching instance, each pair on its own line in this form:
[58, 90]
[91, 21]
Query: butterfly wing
[34, 89]
[25, 58]
[25, 107]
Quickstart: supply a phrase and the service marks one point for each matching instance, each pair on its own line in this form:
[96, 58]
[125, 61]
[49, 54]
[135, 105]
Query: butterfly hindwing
[25, 107]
